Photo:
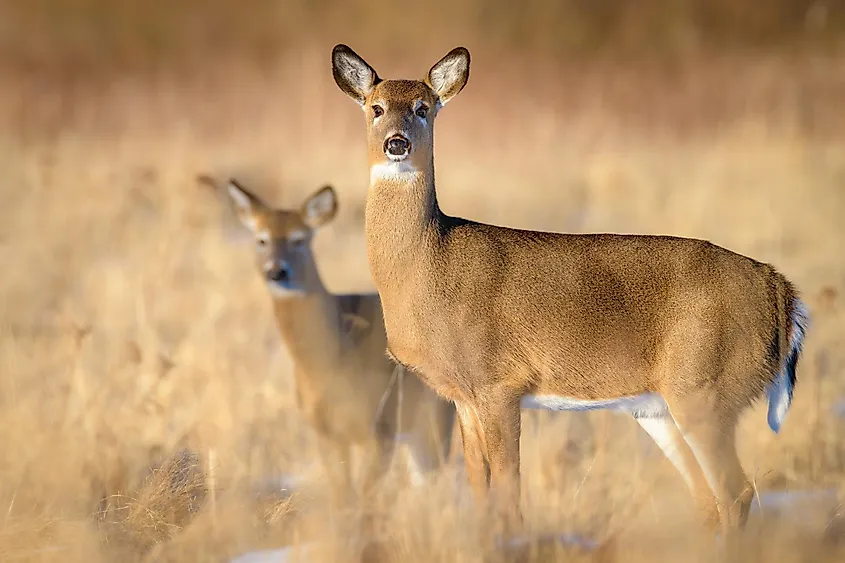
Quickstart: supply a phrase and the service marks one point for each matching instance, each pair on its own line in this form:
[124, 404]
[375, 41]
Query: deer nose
[280, 273]
[397, 145]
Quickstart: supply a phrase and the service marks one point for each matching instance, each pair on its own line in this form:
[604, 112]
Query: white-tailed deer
[681, 333]
[348, 390]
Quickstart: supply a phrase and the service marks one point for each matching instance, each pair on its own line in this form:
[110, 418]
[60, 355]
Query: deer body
[347, 389]
[679, 332]
[330, 389]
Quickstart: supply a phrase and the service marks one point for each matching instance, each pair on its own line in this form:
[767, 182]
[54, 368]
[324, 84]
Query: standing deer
[679, 332]
[348, 390]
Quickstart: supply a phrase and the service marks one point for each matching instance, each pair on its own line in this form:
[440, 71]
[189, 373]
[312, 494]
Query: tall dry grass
[145, 402]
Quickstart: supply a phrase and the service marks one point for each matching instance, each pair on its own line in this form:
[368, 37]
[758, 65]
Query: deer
[680, 333]
[347, 389]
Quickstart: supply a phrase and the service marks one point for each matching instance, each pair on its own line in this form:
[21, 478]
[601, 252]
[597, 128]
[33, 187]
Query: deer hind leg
[668, 437]
[709, 430]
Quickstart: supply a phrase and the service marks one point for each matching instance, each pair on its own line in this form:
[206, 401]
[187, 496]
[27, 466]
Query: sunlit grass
[145, 399]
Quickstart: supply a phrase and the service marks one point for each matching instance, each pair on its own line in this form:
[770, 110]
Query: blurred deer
[349, 391]
[678, 332]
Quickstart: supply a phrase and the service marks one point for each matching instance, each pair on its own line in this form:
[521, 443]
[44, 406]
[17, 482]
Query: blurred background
[146, 403]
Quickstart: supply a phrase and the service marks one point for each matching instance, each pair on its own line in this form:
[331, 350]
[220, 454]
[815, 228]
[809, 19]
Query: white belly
[645, 405]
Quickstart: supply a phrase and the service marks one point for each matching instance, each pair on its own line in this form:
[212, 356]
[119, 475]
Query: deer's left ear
[320, 207]
[356, 326]
[449, 75]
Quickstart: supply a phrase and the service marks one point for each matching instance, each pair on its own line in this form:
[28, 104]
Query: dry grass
[144, 395]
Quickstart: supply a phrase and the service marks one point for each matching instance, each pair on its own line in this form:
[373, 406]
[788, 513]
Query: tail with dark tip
[793, 322]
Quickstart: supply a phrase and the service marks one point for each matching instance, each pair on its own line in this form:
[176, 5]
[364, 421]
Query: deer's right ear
[352, 73]
[245, 203]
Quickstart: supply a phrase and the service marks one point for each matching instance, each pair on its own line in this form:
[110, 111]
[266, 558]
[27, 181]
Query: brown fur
[487, 315]
[346, 387]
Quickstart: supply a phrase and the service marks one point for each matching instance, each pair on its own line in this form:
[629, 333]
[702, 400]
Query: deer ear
[246, 204]
[352, 73]
[320, 208]
[356, 326]
[207, 181]
[449, 75]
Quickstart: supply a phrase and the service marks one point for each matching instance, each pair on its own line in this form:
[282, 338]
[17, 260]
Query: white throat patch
[279, 292]
[391, 171]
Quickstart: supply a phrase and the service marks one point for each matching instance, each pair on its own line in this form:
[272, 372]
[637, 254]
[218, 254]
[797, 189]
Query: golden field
[145, 399]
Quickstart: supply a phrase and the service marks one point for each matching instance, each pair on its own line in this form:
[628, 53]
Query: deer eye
[422, 111]
[298, 239]
[378, 111]
[263, 240]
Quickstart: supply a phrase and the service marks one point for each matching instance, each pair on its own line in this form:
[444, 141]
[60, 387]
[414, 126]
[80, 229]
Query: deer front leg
[491, 452]
[432, 432]
[475, 456]
[378, 455]
[335, 457]
[500, 424]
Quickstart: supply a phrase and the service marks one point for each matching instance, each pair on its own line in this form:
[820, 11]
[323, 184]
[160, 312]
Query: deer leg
[710, 433]
[434, 426]
[668, 437]
[501, 429]
[377, 457]
[475, 455]
[335, 458]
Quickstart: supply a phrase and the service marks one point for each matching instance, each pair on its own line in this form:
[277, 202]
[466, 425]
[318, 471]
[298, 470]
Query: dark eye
[262, 241]
[422, 111]
[378, 111]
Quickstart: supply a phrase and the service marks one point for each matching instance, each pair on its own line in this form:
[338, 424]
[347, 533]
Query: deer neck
[402, 220]
[310, 326]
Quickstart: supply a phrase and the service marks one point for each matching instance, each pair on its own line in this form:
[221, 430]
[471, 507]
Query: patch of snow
[283, 485]
[569, 540]
[291, 554]
[808, 510]
[287, 482]
[791, 499]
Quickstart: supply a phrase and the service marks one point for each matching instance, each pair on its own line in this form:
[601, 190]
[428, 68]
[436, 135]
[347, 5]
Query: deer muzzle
[397, 147]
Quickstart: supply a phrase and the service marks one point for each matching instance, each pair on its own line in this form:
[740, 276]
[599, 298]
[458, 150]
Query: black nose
[279, 274]
[397, 145]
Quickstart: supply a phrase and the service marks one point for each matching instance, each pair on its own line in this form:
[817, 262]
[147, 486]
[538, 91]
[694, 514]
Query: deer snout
[279, 273]
[397, 147]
